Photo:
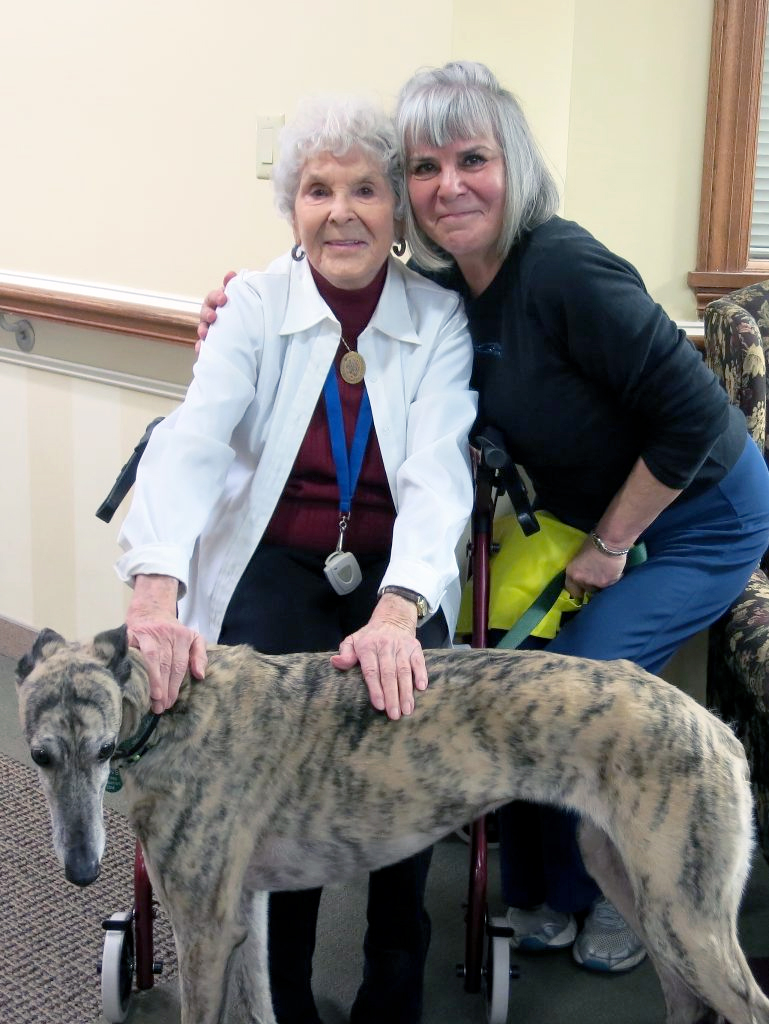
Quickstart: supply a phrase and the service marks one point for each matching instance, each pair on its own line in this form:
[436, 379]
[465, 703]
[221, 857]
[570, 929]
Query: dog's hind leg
[603, 861]
[701, 967]
[715, 966]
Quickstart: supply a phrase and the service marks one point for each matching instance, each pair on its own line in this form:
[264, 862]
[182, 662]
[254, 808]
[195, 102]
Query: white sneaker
[541, 928]
[606, 942]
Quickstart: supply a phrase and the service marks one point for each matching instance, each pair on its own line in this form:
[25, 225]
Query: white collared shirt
[214, 470]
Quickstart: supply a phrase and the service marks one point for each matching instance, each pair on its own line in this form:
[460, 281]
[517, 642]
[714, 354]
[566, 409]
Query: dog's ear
[111, 647]
[46, 642]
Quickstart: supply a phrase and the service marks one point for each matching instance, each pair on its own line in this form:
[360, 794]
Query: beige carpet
[50, 931]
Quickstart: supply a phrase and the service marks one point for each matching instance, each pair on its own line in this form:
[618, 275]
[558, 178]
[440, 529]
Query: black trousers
[283, 604]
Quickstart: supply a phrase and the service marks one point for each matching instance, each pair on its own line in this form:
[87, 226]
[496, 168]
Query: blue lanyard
[348, 467]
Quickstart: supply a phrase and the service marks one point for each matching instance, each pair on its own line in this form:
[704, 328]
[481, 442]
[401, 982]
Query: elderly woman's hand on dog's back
[168, 647]
[389, 654]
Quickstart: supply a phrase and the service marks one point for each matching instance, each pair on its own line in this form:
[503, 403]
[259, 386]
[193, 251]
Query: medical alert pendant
[352, 367]
[342, 572]
[341, 568]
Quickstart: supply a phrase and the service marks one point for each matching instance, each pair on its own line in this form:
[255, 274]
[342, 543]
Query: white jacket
[215, 469]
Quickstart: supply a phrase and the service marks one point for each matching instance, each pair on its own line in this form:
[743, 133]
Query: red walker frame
[478, 924]
[485, 937]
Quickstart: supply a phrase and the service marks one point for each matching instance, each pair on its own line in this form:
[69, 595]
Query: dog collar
[131, 751]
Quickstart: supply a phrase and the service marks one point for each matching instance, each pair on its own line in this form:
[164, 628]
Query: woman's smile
[343, 217]
[458, 193]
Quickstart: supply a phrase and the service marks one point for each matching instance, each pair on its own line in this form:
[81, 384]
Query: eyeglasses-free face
[343, 217]
[457, 193]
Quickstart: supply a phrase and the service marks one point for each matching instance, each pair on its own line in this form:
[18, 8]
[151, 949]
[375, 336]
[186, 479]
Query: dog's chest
[280, 864]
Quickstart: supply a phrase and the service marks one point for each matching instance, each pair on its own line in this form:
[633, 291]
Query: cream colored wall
[63, 441]
[133, 128]
[129, 159]
[616, 94]
[637, 123]
[530, 48]
[131, 146]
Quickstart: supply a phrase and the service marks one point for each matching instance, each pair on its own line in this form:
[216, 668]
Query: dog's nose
[82, 870]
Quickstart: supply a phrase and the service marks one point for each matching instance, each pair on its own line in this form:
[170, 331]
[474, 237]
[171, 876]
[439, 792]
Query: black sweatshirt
[583, 372]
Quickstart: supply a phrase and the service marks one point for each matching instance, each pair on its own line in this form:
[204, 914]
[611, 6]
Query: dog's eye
[106, 751]
[40, 756]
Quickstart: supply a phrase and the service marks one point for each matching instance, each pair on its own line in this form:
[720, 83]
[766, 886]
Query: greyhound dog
[276, 773]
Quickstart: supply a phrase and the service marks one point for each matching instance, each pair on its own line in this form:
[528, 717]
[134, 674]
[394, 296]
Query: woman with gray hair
[621, 428]
[309, 493]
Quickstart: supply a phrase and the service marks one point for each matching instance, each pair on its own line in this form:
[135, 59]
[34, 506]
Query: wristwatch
[409, 595]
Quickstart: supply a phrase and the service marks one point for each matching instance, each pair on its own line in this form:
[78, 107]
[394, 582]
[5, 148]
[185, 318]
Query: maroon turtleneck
[307, 514]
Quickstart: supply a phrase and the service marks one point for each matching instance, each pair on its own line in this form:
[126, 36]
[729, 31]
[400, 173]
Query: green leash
[542, 604]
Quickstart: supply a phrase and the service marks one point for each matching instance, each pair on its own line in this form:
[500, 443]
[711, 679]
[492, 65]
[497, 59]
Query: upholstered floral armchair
[736, 347]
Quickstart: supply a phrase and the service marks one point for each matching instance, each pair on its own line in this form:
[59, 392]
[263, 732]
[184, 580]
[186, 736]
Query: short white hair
[461, 100]
[336, 125]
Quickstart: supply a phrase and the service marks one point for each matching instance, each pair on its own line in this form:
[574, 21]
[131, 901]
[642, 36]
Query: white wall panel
[16, 527]
[62, 443]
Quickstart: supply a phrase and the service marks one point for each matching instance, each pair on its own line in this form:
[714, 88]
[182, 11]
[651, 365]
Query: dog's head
[70, 705]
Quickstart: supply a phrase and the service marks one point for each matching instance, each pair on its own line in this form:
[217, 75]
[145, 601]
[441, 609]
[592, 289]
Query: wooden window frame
[728, 171]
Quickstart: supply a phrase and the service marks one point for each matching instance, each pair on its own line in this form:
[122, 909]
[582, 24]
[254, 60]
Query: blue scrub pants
[701, 553]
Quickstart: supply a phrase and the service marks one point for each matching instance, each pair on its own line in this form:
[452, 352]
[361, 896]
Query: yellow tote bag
[521, 569]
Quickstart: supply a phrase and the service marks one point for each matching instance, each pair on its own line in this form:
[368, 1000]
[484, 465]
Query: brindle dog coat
[276, 773]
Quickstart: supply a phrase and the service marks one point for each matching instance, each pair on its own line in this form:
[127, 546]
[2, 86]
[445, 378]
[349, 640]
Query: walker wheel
[117, 967]
[497, 978]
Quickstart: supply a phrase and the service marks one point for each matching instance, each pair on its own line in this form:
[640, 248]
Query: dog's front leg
[206, 952]
[223, 967]
[249, 999]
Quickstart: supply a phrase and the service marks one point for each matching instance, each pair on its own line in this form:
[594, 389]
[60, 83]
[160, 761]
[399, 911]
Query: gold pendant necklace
[352, 366]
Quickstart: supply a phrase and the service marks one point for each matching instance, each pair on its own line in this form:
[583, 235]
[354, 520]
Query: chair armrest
[742, 636]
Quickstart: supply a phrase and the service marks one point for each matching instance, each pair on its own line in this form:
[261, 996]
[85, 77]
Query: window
[724, 262]
[759, 221]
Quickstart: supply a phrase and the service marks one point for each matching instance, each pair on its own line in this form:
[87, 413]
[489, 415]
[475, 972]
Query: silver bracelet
[613, 552]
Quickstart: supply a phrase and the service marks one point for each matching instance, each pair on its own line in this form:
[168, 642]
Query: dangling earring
[400, 247]
[297, 253]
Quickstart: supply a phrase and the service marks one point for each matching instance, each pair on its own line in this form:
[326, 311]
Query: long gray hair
[461, 100]
[336, 125]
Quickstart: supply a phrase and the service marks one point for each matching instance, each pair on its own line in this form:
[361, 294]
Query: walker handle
[505, 476]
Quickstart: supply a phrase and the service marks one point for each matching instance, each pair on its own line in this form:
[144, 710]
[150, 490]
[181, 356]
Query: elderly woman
[620, 426]
[310, 491]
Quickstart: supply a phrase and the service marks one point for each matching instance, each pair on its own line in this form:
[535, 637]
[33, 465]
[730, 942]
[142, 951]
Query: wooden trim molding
[715, 284]
[148, 316]
[731, 132]
[168, 320]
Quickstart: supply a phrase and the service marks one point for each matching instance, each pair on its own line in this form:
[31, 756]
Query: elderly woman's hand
[167, 646]
[590, 570]
[211, 303]
[389, 654]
